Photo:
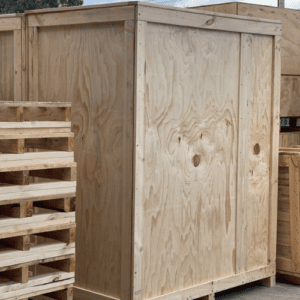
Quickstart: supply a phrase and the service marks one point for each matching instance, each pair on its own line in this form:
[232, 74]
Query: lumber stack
[37, 217]
[288, 237]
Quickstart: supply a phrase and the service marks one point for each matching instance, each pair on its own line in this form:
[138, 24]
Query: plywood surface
[6, 66]
[190, 143]
[225, 8]
[290, 96]
[259, 154]
[290, 41]
[85, 65]
[289, 139]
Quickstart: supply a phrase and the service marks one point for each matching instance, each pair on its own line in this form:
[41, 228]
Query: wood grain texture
[289, 139]
[190, 143]
[7, 66]
[260, 149]
[290, 96]
[225, 8]
[290, 32]
[93, 77]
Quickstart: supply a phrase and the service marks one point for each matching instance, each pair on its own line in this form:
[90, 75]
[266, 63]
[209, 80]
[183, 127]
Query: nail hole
[196, 160]
[179, 139]
[256, 149]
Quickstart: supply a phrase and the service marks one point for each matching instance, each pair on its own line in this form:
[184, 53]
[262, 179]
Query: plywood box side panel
[7, 65]
[226, 8]
[290, 32]
[189, 145]
[289, 139]
[90, 70]
[290, 96]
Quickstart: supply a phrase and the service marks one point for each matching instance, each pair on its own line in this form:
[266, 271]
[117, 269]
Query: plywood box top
[151, 13]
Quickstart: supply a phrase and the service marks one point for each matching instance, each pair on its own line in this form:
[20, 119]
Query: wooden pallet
[37, 219]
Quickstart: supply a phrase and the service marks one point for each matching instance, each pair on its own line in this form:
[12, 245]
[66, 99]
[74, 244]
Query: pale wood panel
[85, 65]
[290, 96]
[289, 139]
[260, 148]
[190, 145]
[225, 8]
[7, 66]
[290, 32]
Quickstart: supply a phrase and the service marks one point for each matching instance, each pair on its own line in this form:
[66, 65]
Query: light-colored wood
[10, 24]
[41, 124]
[28, 133]
[80, 294]
[34, 104]
[290, 29]
[290, 96]
[7, 65]
[288, 239]
[161, 171]
[243, 152]
[84, 17]
[273, 158]
[225, 8]
[289, 139]
[139, 159]
[17, 65]
[214, 22]
[269, 282]
[127, 192]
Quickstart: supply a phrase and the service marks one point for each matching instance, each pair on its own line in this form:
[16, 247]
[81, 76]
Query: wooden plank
[40, 124]
[34, 228]
[126, 255]
[7, 66]
[37, 280]
[9, 24]
[8, 134]
[294, 214]
[80, 293]
[34, 104]
[29, 46]
[219, 284]
[139, 131]
[82, 17]
[24, 76]
[17, 65]
[40, 218]
[36, 290]
[269, 282]
[275, 119]
[243, 152]
[206, 21]
[35, 65]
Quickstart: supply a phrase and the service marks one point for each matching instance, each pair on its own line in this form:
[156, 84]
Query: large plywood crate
[176, 121]
[288, 255]
[12, 56]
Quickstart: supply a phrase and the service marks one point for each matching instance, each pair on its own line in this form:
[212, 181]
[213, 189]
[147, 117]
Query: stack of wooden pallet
[37, 217]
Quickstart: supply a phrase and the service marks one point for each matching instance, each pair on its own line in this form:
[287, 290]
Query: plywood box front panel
[176, 116]
[191, 139]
